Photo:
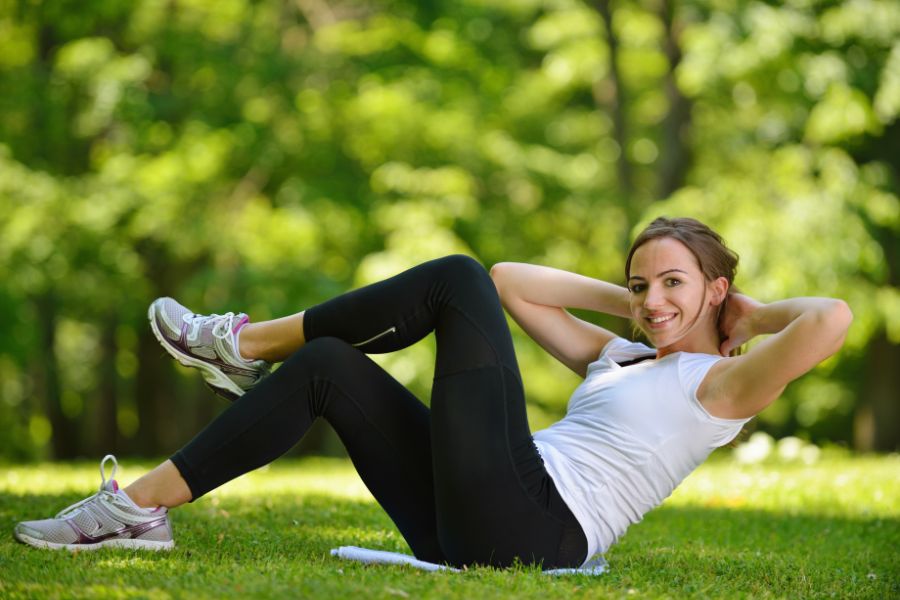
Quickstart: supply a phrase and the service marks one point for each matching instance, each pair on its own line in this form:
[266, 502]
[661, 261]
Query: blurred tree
[263, 156]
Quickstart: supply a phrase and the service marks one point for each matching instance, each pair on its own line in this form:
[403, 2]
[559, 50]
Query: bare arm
[805, 331]
[536, 297]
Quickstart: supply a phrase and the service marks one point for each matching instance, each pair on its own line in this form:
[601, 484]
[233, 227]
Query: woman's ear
[719, 291]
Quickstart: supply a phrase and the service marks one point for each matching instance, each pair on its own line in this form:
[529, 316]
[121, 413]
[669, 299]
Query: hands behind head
[736, 323]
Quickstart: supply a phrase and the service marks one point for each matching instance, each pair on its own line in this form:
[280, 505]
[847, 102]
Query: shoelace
[103, 491]
[221, 324]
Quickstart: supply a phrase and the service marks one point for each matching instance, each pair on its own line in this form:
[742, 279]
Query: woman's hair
[713, 256]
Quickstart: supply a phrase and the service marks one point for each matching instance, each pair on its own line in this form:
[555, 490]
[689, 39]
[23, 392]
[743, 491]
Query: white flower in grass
[756, 449]
[789, 448]
[809, 454]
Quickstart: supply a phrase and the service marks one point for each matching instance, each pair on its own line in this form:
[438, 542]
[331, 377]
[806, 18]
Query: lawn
[777, 530]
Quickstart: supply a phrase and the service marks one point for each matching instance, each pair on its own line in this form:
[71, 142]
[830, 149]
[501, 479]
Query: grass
[827, 530]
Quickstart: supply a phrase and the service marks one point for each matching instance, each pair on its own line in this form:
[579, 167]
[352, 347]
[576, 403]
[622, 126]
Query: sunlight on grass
[125, 561]
[99, 592]
[768, 529]
[334, 477]
[865, 486]
[367, 537]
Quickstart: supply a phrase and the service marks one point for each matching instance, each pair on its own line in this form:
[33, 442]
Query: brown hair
[713, 256]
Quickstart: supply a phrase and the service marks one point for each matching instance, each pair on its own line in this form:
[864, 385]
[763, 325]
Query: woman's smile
[660, 320]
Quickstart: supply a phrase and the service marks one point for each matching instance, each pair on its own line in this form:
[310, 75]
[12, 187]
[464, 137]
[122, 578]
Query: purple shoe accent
[240, 324]
[182, 345]
[129, 532]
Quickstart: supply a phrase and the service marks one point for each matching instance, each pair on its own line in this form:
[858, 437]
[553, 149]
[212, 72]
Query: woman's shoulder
[711, 390]
[696, 368]
[698, 382]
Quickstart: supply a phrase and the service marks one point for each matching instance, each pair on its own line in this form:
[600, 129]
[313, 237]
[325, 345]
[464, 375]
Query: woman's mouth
[659, 321]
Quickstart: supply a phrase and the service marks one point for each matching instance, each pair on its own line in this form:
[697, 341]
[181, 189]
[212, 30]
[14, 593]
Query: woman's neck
[700, 342]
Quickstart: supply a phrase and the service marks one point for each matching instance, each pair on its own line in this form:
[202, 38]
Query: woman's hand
[737, 324]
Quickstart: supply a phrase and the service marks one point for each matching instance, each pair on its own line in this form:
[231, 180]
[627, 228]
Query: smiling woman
[464, 480]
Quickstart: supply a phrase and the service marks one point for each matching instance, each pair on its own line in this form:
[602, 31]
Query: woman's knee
[463, 268]
[321, 355]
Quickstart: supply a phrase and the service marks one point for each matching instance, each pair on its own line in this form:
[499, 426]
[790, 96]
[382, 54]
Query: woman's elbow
[512, 277]
[841, 314]
[838, 317]
[497, 277]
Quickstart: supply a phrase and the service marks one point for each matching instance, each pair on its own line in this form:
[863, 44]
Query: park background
[262, 156]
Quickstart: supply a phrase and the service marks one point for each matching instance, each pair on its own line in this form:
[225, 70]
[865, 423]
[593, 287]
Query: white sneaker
[209, 343]
[108, 518]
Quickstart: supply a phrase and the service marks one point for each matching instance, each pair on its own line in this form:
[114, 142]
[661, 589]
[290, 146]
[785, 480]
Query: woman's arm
[536, 298]
[805, 331]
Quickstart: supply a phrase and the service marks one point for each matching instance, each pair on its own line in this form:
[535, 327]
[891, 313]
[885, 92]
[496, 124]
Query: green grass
[764, 531]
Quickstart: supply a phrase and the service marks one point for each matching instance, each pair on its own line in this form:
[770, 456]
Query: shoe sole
[130, 544]
[215, 378]
[223, 394]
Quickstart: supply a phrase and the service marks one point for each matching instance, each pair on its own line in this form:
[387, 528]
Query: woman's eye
[673, 282]
[637, 288]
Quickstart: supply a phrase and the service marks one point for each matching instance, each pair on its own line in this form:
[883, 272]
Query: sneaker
[209, 343]
[108, 518]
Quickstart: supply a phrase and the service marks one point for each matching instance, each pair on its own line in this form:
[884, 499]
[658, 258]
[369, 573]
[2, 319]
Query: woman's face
[668, 289]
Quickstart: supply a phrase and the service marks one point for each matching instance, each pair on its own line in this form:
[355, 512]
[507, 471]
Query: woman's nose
[654, 297]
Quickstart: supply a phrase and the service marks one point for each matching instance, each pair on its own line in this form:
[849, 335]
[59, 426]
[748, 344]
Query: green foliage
[264, 156]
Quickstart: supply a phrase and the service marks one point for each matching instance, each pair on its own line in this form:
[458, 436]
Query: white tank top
[630, 436]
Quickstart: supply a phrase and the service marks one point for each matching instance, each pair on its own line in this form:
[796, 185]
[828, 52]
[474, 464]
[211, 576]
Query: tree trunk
[878, 415]
[64, 438]
[884, 387]
[106, 438]
[153, 378]
[881, 388]
[159, 401]
[877, 420]
[675, 152]
[617, 101]
[150, 394]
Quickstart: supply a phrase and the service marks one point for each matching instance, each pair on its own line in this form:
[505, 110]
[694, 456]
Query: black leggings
[462, 481]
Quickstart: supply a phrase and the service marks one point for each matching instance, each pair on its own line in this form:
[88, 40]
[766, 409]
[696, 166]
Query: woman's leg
[383, 426]
[495, 501]
[490, 497]
[163, 486]
[272, 341]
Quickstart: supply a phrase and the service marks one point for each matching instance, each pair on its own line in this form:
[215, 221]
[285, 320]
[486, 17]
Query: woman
[465, 481]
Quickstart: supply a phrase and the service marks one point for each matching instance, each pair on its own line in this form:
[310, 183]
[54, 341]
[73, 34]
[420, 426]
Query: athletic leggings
[462, 481]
